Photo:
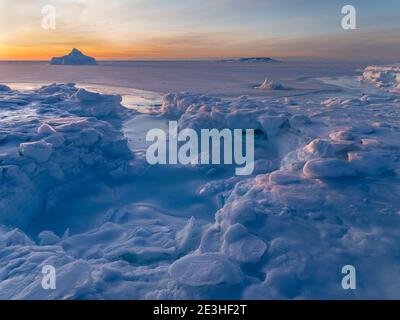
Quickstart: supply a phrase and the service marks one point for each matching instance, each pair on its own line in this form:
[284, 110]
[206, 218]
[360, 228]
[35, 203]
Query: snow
[77, 193]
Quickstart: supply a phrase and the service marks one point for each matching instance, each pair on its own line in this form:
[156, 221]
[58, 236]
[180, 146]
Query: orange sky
[159, 29]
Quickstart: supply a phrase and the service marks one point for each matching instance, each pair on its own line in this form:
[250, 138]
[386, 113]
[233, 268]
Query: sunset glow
[156, 29]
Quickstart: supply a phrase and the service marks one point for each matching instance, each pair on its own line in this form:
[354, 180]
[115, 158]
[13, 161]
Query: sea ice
[324, 193]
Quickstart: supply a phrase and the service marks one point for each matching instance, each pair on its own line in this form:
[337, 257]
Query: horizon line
[215, 59]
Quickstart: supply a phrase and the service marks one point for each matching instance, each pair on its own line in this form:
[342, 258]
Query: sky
[198, 29]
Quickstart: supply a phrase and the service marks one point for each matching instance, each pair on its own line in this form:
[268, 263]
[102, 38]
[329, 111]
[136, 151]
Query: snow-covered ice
[387, 77]
[77, 193]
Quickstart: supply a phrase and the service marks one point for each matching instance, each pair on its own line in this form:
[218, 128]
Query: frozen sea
[217, 78]
[77, 193]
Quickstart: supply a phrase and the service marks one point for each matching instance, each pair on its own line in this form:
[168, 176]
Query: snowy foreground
[76, 193]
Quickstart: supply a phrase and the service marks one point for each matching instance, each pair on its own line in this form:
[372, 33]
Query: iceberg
[75, 57]
[271, 85]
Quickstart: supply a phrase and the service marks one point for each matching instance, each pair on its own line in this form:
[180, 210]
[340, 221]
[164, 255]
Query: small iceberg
[384, 77]
[75, 57]
[271, 85]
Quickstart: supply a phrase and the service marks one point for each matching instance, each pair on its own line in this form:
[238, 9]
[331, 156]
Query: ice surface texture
[325, 193]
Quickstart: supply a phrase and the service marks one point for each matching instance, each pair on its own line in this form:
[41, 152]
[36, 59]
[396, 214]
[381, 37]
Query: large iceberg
[75, 57]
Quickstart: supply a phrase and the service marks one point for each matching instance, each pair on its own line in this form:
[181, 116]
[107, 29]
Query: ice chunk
[87, 96]
[48, 238]
[46, 129]
[283, 177]
[300, 120]
[185, 237]
[326, 148]
[12, 172]
[371, 163]
[16, 237]
[328, 168]
[56, 139]
[271, 85]
[4, 88]
[272, 125]
[89, 137]
[177, 104]
[205, 270]
[40, 151]
[342, 135]
[242, 246]
[95, 104]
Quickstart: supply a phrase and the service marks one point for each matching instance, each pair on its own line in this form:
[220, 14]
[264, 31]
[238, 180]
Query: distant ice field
[204, 77]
